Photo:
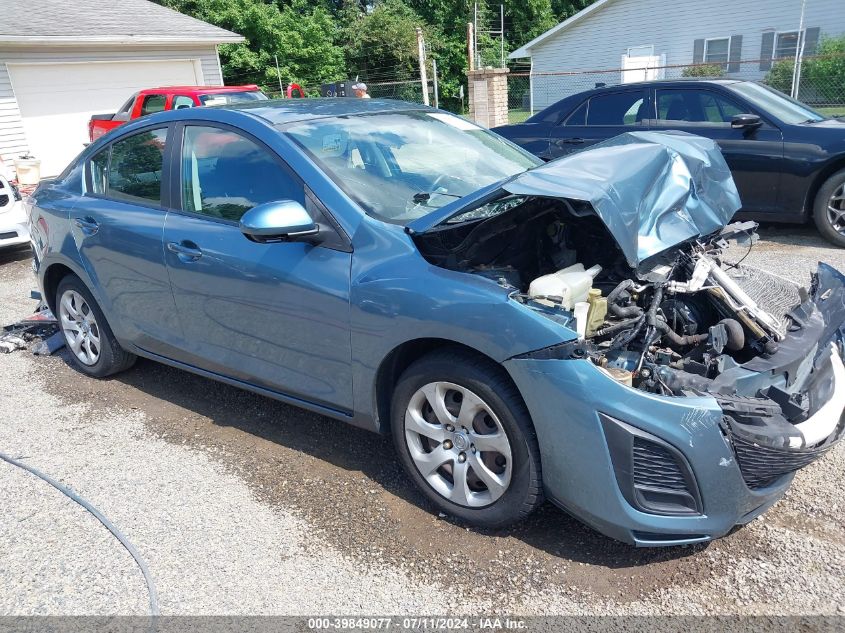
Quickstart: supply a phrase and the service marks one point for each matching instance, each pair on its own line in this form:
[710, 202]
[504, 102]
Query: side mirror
[745, 121]
[279, 221]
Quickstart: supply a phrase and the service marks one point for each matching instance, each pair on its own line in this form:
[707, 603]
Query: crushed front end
[687, 388]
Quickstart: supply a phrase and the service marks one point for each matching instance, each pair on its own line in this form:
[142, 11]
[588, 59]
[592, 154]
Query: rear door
[117, 226]
[755, 156]
[601, 117]
[274, 315]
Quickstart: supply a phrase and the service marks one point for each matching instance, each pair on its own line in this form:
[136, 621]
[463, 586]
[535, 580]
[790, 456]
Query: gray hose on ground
[151, 590]
[616, 295]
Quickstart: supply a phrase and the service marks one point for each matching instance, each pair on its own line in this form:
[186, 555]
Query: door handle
[570, 141]
[89, 226]
[185, 250]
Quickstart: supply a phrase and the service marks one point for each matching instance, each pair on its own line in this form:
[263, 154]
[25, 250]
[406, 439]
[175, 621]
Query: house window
[716, 50]
[786, 45]
[641, 51]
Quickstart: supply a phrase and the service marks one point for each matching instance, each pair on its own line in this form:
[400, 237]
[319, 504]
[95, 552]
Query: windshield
[228, 98]
[400, 166]
[776, 103]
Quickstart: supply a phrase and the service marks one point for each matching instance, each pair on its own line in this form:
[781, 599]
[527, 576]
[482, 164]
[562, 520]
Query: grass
[832, 111]
[518, 115]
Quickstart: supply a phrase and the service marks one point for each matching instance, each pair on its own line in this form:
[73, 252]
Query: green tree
[528, 19]
[704, 70]
[382, 43]
[303, 35]
[824, 73]
[780, 75]
[564, 9]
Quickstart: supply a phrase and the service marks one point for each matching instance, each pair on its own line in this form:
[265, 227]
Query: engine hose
[616, 295]
[151, 590]
[736, 335]
[678, 340]
[616, 327]
[626, 337]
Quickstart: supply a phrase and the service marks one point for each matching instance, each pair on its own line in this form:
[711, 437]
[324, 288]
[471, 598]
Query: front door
[275, 315]
[755, 156]
[117, 226]
[601, 117]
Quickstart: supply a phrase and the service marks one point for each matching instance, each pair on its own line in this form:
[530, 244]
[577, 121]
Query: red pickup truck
[171, 98]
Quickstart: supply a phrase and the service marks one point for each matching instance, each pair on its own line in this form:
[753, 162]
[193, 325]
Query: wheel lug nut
[462, 457]
[450, 428]
[447, 444]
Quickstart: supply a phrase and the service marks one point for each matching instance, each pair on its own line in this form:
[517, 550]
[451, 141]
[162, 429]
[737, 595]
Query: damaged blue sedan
[570, 331]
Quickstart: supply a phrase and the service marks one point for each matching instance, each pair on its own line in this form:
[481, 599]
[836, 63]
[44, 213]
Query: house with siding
[63, 60]
[620, 41]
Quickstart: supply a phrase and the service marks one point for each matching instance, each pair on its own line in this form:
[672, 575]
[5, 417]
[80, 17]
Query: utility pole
[279, 75]
[470, 46]
[434, 72]
[502, 32]
[423, 77]
[478, 63]
[799, 53]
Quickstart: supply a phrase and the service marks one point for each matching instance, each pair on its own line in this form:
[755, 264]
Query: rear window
[229, 98]
[152, 104]
[617, 108]
[129, 170]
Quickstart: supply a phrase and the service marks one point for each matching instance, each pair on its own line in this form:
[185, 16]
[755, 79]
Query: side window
[695, 106]
[224, 174]
[134, 170]
[618, 108]
[126, 108]
[152, 104]
[579, 117]
[98, 167]
[181, 101]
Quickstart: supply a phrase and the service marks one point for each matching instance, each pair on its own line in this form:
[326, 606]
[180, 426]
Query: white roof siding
[599, 40]
[12, 136]
[52, 21]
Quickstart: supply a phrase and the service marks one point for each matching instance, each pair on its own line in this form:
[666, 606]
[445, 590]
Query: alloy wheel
[836, 209]
[458, 444]
[80, 328]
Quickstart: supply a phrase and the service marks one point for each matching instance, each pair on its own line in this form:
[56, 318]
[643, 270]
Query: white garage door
[57, 100]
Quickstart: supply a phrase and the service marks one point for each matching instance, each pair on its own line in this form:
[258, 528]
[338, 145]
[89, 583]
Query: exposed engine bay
[687, 321]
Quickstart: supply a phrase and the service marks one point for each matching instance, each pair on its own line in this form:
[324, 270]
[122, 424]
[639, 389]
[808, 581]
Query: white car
[14, 230]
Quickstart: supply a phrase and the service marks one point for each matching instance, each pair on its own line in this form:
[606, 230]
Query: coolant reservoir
[572, 285]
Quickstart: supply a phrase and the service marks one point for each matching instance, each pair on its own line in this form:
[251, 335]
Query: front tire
[829, 209]
[464, 436]
[88, 337]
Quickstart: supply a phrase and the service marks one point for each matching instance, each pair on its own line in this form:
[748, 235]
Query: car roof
[684, 81]
[280, 111]
[201, 89]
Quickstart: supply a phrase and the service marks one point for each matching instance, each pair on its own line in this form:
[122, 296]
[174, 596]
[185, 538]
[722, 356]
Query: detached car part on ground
[572, 330]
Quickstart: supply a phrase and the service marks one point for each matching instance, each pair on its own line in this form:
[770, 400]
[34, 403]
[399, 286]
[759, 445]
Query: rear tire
[89, 339]
[486, 469]
[829, 209]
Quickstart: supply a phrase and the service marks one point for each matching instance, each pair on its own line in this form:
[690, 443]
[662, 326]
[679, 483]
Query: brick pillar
[488, 96]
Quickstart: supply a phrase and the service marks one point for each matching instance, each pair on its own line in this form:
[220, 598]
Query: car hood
[653, 190]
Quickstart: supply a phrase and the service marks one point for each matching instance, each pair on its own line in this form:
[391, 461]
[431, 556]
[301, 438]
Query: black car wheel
[87, 335]
[829, 210]
[465, 437]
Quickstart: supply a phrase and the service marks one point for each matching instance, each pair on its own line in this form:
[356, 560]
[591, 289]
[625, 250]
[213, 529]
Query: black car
[788, 161]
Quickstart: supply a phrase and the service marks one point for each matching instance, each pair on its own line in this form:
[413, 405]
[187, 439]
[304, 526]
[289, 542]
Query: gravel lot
[243, 505]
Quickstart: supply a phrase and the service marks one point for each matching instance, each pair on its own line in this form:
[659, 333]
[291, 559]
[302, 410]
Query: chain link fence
[820, 81]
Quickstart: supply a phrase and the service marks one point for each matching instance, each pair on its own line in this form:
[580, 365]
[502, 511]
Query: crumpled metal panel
[652, 190]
